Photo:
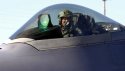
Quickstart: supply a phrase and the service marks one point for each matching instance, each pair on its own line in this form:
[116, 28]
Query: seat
[83, 24]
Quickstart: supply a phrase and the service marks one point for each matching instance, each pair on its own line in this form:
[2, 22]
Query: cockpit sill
[106, 38]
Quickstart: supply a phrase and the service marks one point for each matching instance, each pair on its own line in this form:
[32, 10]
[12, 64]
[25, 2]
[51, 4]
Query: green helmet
[65, 13]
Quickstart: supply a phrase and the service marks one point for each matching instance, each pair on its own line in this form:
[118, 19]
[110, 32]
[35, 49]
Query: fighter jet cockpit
[65, 37]
[85, 22]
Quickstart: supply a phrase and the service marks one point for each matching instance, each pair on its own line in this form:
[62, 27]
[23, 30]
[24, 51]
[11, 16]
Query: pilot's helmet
[65, 13]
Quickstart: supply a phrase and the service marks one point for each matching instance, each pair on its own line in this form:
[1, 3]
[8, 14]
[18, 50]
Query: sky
[15, 13]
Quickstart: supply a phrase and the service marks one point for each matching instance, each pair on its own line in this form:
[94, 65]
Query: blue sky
[14, 13]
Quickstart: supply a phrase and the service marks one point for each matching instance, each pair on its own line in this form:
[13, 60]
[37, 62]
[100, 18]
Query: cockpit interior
[45, 24]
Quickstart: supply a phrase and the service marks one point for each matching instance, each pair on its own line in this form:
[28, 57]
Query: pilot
[65, 22]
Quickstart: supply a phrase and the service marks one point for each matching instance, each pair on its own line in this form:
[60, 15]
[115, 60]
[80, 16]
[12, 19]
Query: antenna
[104, 6]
